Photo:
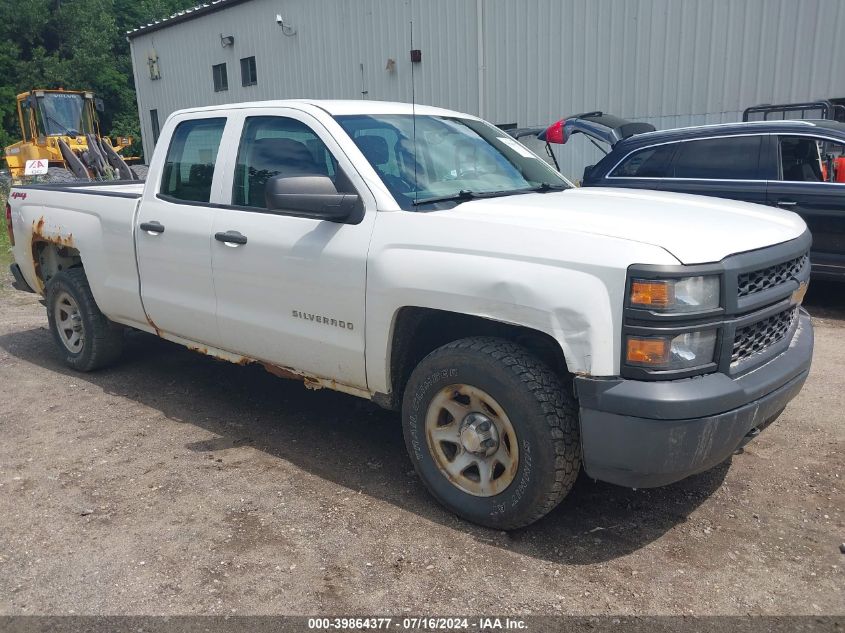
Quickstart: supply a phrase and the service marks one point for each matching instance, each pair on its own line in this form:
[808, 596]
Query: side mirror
[587, 171]
[98, 104]
[310, 196]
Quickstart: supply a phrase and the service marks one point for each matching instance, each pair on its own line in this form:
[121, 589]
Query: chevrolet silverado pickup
[425, 260]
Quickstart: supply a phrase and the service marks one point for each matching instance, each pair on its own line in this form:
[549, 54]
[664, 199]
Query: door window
[189, 166]
[273, 145]
[652, 162]
[728, 158]
[806, 159]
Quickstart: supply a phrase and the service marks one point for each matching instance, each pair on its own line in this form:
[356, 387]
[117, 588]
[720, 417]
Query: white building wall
[340, 50]
[668, 62]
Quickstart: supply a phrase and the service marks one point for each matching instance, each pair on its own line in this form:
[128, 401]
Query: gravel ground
[176, 484]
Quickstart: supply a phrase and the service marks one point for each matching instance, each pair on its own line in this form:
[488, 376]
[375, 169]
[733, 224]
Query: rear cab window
[189, 166]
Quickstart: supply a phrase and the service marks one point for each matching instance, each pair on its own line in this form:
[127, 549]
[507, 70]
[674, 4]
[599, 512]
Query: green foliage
[5, 250]
[78, 45]
[5, 246]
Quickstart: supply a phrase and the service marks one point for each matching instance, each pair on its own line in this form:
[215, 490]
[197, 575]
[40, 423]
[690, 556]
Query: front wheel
[83, 334]
[492, 432]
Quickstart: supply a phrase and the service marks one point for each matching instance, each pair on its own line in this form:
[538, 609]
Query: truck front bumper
[643, 434]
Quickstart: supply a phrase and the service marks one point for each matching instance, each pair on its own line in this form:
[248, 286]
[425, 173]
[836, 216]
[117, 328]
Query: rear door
[724, 167]
[292, 292]
[174, 232]
[810, 182]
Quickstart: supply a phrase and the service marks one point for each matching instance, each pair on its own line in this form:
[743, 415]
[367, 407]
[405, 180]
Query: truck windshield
[63, 114]
[455, 159]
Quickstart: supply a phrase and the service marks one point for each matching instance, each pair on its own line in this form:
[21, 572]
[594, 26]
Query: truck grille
[756, 337]
[765, 278]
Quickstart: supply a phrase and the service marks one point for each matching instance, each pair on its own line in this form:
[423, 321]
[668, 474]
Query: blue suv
[798, 165]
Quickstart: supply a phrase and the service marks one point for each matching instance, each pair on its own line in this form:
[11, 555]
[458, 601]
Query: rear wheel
[86, 339]
[492, 432]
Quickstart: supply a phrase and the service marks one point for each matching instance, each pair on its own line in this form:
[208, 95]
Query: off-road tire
[140, 171]
[103, 342]
[541, 408]
[59, 174]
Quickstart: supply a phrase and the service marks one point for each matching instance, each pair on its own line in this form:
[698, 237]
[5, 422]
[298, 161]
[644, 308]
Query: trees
[76, 44]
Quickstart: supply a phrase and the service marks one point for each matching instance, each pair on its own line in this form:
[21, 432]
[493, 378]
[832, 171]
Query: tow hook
[753, 433]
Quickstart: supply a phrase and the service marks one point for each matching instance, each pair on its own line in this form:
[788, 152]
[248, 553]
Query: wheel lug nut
[484, 426]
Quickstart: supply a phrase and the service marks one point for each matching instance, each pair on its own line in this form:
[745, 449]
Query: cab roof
[339, 107]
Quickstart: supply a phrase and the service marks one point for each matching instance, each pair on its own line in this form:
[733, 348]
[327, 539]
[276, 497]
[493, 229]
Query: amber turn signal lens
[651, 293]
[648, 351]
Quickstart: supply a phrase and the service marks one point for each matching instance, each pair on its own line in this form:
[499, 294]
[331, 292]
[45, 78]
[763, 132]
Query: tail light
[555, 133]
[9, 227]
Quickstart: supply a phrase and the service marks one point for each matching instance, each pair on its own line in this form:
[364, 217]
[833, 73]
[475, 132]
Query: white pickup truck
[425, 260]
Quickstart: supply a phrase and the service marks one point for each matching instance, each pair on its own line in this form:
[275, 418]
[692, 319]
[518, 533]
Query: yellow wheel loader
[60, 128]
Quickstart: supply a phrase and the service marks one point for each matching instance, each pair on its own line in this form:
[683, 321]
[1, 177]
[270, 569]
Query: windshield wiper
[465, 194]
[462, 196]
[545, 187]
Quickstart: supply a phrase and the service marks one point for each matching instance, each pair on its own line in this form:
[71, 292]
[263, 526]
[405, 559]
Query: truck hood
[694, 229]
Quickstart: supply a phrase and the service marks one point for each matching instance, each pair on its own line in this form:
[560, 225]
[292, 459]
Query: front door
[290, 289]
[174, 234]
[811, 184]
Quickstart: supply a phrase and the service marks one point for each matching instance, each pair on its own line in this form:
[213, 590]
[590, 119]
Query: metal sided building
[513, 62]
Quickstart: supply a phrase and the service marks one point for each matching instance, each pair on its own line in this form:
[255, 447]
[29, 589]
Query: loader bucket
[116, 161]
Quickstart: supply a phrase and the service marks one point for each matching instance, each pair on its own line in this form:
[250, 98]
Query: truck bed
[119, 188]
[93, 221]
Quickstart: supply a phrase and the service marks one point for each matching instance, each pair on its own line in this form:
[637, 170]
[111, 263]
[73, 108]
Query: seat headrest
[374, 148]
[810, 150]
[789, 150]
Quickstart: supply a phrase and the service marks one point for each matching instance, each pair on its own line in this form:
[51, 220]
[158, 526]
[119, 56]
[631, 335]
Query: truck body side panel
[423, 260]
[98, 226]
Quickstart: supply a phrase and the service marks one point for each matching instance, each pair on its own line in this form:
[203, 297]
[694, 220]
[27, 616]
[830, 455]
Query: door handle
[787, 203]
[230, 238]
[152, 228]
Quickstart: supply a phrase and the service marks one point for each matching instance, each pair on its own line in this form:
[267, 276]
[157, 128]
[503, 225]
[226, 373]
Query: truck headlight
[683, 294]
[681, 351]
